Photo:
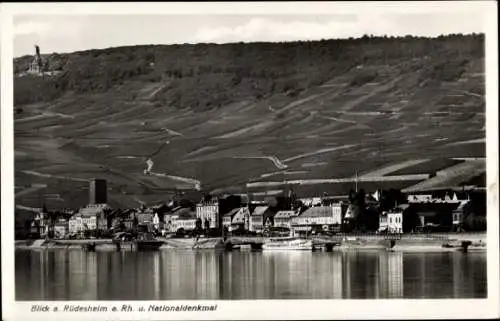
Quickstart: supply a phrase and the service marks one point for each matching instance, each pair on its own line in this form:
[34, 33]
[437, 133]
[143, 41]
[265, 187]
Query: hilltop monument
[36, 66]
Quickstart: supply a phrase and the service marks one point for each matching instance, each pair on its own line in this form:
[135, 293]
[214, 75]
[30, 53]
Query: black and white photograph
[291, 153]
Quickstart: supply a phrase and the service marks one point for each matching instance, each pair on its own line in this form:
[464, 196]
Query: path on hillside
[339, 120]
[415, 177]
[319, 151]
[259, 126]
[278, 163]
[27, 208]
[394, 167]
[351, 104]
[171, 132]
[45, 114]
[472, 141]
[157, 90]
[471, 94]
[32, 189]
[49, 113]
[281, 164]
[187, 180]
[451, 176]
[75, 179]
[304, 100]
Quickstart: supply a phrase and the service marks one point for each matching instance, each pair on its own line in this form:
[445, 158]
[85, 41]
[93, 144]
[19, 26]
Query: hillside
[228, 115]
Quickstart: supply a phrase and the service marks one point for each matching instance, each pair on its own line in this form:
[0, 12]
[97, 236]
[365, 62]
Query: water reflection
[76, 275]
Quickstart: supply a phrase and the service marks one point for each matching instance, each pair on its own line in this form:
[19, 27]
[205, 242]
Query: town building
[35, 228]
[312, 201]
[319, 217]
[349, 214]
[98, 191]
[268, 218]
[80, 223]
[237, 219]
[40, 224]
[127, 218]
[208, 210]
[185, 223]
[417, 198]
[434, 215]
[145, 217]
[458, 215]
[179, 218]
[395, 219]
[170, 220]
[241, 219]
[61, 228]
[257, 219]
[89, 218]
[383, 224]
[227, 219]
[376, 195]
[157, 222]
[284, 218]
[229, 202]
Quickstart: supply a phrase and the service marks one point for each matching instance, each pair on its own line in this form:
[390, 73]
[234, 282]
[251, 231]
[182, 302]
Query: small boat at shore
[287, 244]
[143, 242]
[89, 247]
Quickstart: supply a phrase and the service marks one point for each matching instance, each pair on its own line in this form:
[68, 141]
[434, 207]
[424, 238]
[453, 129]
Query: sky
[68, 33]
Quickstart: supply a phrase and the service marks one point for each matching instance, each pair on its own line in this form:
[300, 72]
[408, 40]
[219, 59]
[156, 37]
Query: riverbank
[417, 243]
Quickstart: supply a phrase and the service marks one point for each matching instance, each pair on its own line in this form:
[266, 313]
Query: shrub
[363, 78]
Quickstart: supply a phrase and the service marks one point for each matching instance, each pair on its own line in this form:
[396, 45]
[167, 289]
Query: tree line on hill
[205, 76]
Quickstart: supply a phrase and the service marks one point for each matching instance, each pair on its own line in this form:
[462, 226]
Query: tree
[358, 207]
[198, 227]
[51, 219]
[207, 225]
[389, 199]
[135, 222]
[371, 218]
[109, 215]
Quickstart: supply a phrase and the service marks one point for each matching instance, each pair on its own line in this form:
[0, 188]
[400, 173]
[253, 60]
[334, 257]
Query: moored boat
[288, 244]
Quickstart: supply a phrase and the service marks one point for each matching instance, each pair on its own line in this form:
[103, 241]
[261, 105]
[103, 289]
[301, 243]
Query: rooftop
[187, 218]
[403, 207]
[232, 212]
[91, 211]
[285, 214]
[462, 205]
[318, 211]
[259, 210]
[182, 213]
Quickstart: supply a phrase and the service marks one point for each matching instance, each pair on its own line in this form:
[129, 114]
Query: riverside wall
[432, 242]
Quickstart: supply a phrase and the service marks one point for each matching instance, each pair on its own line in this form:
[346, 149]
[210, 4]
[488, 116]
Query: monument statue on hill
[37, 63]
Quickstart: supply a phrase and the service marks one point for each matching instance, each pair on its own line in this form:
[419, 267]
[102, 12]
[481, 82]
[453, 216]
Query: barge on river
[144, 242]
[288, 244]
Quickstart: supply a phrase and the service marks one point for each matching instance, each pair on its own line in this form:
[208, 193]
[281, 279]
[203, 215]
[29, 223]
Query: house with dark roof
[241, 219]
[227, 219]
[259, 217]
[183, 219]
[435, 214]
[284, 218]
[237, 219]
[461, 212]
[323, 217]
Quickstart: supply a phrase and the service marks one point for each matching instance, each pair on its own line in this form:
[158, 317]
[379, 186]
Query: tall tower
[98, 191]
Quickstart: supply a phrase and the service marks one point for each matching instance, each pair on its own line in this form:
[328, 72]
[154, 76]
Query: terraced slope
[228, 115]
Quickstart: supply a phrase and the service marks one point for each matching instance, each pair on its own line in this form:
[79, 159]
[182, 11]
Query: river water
[189, 275]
